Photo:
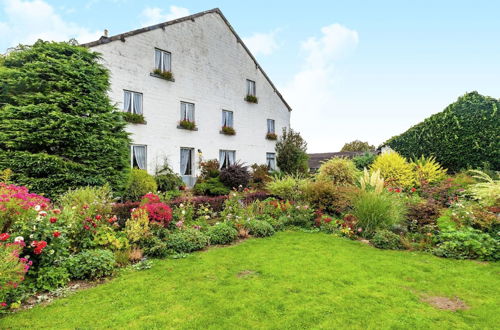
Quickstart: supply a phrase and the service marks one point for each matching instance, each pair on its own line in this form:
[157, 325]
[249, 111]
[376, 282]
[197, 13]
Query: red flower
[327, 220]
[4, 236]
[98, 217]
[39, 246]
[413, 189]
[56, 234]
[53, 220]
[86, 227]
[397, 190]
[3, 304]
[56, 211]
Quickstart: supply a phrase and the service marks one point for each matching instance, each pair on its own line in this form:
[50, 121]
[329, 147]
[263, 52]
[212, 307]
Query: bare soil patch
[445, 303]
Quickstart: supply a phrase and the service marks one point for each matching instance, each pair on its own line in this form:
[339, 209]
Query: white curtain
[227, 118]
[250, 87]
[185, 159]
[127, 101]
[158, 59]
[165, 61]
[190, 112]
[222, 158]
[137, 103]
[140, 156]
[270, 126]
[231, 157]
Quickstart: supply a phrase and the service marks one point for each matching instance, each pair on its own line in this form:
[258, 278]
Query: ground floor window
[187, 161]
[139, 156]
[227, 158]
[271, 161]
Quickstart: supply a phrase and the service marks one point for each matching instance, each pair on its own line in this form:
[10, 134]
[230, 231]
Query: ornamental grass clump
[371, 181]
[487, 190]
[377, 211]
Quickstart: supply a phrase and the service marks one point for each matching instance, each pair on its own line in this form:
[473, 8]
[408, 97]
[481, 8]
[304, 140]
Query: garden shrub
[122, 211]
[50, 278]
[445, 192]
[95, 200]
[339, 171]
[487, 190]
[166, 179]
[137, 227]
[259, 228]
[216, 202]
[385, 239]
[327, 197]
[464, 135]
[235, 176]
[364, 161]
[288, 187]
[158, 212]
[422, 215]
[357, 145]
[427, 170]
[156, 248]
[377, 211]
[291, 153]
[91, 264]
[468, 243]
[471, 214]
[188, 240]
[59, 128]
[209, 169]
[222, 233]
[394, 168]
[259, 176]
[139, 184]
[210, 187]
[12, 267]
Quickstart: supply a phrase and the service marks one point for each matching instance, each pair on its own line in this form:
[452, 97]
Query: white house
[195, 69]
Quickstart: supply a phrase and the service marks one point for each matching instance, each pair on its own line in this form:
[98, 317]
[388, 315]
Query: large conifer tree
[58, 127]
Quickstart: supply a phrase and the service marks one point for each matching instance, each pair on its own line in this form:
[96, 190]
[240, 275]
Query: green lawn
[292, 280]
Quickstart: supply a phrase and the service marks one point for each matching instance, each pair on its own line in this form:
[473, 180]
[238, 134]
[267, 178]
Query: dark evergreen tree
[58, 127]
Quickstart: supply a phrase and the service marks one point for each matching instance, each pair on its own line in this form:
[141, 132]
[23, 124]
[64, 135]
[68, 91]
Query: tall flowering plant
[158, 212]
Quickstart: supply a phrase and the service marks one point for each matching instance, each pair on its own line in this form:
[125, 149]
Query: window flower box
[167, 75]
[133, 118]
[271, 136]
[228, 130]
[251, 99]
[186, 124]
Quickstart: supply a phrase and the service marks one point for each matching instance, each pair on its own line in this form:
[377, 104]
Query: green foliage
[187, 240]
[291, 153]
[235, 176]
[140, 183]
[357, 145]
[133, 118]
[327, 197]
[58, 127]
[422, 215]
[468, 244]
[50, 278]
[222, 233]
[377, 211]
[364, 161]
[210, 187]
[186, 124]
[288, 187]
[259, 228]
[464, 135]
[167, 75]
[95, 200]
[91, 264]
[339, 171]
[259, 176]
[251, 99]
[137, 227]
[166, 179]
[487, 191]
[394, 168]
[228, 130]
[209, 169]
[385, 239]
[428, 170]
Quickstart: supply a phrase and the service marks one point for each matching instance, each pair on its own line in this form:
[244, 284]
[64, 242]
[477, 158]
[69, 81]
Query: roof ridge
[122, 36]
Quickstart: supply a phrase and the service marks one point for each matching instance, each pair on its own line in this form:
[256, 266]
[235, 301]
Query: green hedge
[466, 134]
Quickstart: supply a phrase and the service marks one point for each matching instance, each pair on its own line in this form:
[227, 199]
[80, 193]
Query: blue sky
[350, 69]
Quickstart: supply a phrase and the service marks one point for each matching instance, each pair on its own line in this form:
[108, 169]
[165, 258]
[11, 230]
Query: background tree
[58, 127]
[357, 145]
[291, 155]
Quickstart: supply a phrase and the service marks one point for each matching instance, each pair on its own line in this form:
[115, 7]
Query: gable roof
[123, 36]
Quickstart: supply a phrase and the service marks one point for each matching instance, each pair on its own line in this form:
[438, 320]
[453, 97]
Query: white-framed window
[271, 161]
[139, 156]
[251, 88]
[187, 111]
[187, 157]
[132, 102]
[227, 118]
[227, 158]
[163, 60]
[270, 126]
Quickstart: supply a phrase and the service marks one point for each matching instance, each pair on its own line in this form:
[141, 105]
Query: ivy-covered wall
[466, 134]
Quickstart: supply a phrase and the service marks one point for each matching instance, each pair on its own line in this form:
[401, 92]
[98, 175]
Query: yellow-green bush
[395, 169]
[288, 187]
[140, 183]
[428, 170]
[137, 227]
[340, 171]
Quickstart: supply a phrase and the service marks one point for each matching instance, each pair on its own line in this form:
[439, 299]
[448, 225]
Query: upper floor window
[163, 61]
[227, 118]
[227, 158]
[132, 102]
[139, 156]
[251, 88]
[187, 112]
[270, 126]
[271, 161]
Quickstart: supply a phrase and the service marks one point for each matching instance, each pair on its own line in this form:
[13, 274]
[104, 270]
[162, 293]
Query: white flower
[207, 217]
[183, 212]
[181, 205]
[19, 239]
[31, 236]
[51, 251]
[38, 208]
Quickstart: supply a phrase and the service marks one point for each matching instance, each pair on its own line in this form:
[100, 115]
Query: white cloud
[262, 43]
[311, 92]
[27, 21]
[155, 15]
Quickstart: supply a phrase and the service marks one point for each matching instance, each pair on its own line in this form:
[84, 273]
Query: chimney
[105, 33]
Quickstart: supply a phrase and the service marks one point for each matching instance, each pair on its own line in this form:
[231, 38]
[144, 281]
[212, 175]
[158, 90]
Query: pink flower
[179, 224]
[4, 236]
[3, 304]
[42, 213]
[56, 211]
